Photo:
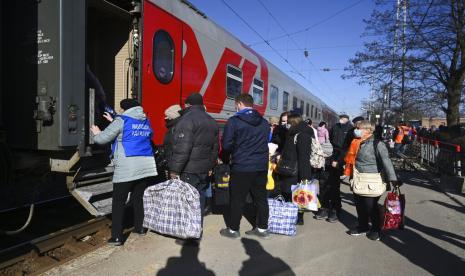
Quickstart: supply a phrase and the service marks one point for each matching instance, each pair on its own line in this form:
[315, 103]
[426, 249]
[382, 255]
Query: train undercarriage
[62, 63]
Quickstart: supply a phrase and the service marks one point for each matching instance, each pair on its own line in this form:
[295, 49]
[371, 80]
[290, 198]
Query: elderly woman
[365, 160]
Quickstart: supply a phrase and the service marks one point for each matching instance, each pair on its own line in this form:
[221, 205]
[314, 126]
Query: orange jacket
[402, 131]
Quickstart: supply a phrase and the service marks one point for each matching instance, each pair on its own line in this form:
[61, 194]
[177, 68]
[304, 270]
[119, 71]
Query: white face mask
[358, 133]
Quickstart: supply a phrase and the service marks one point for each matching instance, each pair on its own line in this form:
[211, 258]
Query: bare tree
[419, 55]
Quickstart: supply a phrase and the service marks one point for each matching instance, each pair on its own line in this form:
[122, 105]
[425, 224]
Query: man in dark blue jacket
[245, 144]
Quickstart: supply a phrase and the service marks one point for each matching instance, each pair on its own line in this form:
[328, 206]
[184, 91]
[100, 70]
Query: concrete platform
[433, 243]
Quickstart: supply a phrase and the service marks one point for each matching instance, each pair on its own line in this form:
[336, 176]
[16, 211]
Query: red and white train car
[184, 52]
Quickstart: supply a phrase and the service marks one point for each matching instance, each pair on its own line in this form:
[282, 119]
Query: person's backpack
[221, 186]
[317, 156]
[327, 149]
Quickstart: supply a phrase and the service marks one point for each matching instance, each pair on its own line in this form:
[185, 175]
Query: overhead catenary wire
[298, 46]
[261, 37]
[311, 26]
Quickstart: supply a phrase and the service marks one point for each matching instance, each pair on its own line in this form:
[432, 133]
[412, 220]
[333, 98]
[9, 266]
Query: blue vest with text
[136, 137]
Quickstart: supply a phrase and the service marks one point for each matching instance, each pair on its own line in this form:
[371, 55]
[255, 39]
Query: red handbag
[394, 210]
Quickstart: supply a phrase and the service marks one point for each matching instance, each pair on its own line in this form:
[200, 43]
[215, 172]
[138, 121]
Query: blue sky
[330, 44]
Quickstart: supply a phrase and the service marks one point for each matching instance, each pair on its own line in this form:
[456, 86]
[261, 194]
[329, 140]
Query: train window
[302, 106]
[163, 57]
[285, 101]
[307, 109]
[311, 113]
[294, 103]
[233, 82]
[274, 97]
[257, 91]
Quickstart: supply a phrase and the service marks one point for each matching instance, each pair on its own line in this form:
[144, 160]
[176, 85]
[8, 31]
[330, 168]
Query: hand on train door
[95, 130]
[108, 116]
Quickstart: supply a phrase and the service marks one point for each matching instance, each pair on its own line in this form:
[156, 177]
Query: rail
[444, 158]
[41, 254]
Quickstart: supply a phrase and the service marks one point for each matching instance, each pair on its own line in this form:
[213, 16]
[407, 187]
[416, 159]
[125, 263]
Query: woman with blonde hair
[366, 159]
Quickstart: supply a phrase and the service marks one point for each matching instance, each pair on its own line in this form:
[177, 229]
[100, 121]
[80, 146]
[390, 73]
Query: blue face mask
[358, 133]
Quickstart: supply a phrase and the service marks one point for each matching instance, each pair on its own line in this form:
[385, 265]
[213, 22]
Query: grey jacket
[366, 161]
[126, 168]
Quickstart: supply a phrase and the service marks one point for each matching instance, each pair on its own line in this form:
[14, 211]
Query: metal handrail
[441, 156]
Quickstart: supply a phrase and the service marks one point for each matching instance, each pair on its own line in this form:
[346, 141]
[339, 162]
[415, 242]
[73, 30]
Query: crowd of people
[193, 147]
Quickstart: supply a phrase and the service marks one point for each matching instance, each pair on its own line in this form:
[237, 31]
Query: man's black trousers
[241, 183]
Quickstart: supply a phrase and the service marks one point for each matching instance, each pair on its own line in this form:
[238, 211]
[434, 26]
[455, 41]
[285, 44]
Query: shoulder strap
[378, 158]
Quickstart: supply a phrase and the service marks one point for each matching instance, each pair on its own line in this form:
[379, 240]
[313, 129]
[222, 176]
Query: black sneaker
[332, 217]
[264, 235]
[357, 232]
[321, 214]
[300, 219]
[228, 233]
[373, 235]
[115, 241]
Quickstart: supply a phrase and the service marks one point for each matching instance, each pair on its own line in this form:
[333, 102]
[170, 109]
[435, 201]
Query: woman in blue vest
[134, 162]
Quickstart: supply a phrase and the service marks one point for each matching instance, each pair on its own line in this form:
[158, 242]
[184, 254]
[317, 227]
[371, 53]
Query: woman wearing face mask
[279, 133]
[296, 152]
[365, 159]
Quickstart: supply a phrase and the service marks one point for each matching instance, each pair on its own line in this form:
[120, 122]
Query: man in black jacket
[194, 146]
[245, 142]
[330, 193]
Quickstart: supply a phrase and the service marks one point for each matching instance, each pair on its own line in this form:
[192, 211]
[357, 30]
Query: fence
[445, 158]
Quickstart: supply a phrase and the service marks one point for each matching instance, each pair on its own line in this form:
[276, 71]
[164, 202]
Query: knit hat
[172, 112]
[344, 116]
[128, 103]
[194, 99]
[358, 119]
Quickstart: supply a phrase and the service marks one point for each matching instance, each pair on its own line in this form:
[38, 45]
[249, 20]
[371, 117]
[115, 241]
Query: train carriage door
[161, 65]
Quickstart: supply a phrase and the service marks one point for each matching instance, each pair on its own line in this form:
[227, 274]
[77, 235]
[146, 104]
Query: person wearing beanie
[330, 193]
[194, 148]
[130, 134]
[172, 117]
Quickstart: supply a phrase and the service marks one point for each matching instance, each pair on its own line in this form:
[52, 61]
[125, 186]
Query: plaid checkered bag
[173, 208]
[283, 216]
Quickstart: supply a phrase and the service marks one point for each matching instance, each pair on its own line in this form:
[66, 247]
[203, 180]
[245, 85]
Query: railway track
[41, 254]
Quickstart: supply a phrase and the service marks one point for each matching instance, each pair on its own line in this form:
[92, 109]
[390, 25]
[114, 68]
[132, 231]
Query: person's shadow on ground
[187, 264]
[261, 262]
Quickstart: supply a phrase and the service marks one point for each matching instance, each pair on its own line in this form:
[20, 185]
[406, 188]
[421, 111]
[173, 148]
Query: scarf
[351, 155]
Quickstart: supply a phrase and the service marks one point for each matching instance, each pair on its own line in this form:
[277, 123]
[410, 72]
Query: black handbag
[286, 167]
